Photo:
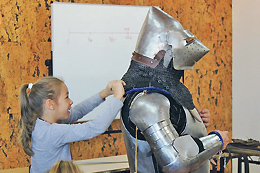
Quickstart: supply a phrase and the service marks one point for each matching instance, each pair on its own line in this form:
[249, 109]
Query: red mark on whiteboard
[128, 37]
[111, 39]
[127, 29]
[89, 39]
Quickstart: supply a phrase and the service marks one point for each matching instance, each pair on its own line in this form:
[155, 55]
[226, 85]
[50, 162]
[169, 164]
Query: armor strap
[136, 129]
[148, 61]
[220, 137]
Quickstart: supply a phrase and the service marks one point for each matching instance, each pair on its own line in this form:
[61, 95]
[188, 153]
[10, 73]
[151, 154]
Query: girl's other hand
[205, 116]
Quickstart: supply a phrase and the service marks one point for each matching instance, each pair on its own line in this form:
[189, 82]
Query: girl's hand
[114, 87]
[205, 116]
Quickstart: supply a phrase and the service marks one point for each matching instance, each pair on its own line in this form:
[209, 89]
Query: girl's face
[64, 103]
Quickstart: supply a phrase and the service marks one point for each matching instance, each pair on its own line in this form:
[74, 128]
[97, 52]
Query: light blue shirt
[50, 142]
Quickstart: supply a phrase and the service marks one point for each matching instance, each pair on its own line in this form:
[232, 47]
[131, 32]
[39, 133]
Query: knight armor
[162, 129]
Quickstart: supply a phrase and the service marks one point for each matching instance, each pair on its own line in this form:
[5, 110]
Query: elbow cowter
[179, 153]
[186, 164]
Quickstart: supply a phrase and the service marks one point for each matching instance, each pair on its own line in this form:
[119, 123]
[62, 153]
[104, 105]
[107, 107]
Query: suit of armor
[163, 131]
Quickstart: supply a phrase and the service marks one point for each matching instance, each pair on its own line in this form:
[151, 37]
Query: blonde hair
[32, 106]
[64, 167]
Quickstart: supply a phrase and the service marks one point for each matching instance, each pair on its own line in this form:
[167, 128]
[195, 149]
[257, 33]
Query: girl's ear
[49, 104]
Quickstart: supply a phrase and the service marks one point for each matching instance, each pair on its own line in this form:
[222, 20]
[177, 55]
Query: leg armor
[162, 143]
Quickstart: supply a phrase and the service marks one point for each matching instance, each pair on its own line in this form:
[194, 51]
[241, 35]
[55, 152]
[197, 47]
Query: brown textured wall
[25, 44]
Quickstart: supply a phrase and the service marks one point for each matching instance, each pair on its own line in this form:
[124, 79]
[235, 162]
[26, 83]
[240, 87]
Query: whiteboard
[92, 44]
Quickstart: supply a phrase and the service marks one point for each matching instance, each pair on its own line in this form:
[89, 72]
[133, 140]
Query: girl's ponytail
[27, 120]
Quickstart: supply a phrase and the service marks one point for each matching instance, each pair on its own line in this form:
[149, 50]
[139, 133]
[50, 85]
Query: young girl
[46, 113]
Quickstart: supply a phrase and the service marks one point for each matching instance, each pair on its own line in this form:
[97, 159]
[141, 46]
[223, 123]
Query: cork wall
[25, 44]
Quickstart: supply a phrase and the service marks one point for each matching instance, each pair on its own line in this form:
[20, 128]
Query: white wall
[246, 72]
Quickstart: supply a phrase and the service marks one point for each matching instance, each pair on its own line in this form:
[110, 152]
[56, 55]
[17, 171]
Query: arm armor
[174, 153]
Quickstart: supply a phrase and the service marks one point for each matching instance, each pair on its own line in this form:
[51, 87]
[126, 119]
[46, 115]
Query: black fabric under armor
[139, 75]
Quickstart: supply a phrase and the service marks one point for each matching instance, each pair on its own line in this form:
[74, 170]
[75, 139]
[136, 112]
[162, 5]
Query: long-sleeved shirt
[50, 142]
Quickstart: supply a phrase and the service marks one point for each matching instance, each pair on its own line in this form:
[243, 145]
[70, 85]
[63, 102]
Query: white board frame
[92, 44]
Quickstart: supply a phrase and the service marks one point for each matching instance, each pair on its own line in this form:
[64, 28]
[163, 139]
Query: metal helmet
[161, 31]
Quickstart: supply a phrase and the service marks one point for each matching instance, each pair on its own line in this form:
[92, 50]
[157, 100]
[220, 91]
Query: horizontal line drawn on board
[111, 38]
